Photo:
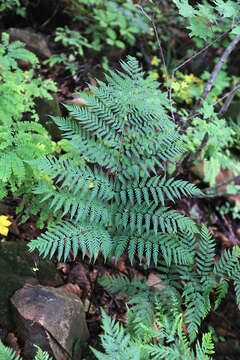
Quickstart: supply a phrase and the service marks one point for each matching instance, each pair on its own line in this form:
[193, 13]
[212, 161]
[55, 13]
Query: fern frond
[122, 285]
[205, 256]
[228, 264]
[221, 291]
[69, 236]
[42, 355]
[156, 187]
[198, 305]
[207, 348]
[7, 354]
[116, 342]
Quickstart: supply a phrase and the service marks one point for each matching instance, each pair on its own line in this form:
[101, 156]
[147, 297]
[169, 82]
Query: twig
[229, 99]
[217, 68]
[234, 90]
[198, 151]
[220, 193]
[49, 19]
[225, 182]
[186, 62]
[158, 41]
[210, 82]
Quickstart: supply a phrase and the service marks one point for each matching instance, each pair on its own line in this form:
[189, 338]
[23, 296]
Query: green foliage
[229, 209]
[8, 4]
[21, 140]
[115, 24]
[216, 154]
[112, 186]
[204, 20]
[74, 43]
[207, 21]
[9, 354]
[184, 294]
[166, 341]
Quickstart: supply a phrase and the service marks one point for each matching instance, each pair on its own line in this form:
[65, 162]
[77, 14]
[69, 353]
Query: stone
[50, 318]
[18, 267]
[34, 42]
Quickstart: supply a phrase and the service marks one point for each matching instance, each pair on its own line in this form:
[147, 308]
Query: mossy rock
[18, 267]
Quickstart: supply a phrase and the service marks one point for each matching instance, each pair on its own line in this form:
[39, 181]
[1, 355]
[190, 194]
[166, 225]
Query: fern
[115, 197]
[20, 141]
[119, 343]
[116, 342]
[186, 288]
[8, 354]
[113, 177]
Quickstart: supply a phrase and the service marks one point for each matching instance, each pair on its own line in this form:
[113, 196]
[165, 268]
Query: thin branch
[186, 62]
[210, 82]
[229, 99]
[225, 182]
[217, 68]
[158, 41]
[49, 19]
[198, 151]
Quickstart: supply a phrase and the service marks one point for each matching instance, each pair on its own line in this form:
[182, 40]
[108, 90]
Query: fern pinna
[112, 185]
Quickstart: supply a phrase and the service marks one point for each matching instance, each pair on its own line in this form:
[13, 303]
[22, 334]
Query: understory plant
[7, 353]
[116, 197]
[113, 24]
[22, 138]
[216, 25]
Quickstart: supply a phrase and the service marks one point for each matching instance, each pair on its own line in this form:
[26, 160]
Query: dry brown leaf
[154, 281]
[225, 241]
[62, 267]
[12, 342]
[78, 276]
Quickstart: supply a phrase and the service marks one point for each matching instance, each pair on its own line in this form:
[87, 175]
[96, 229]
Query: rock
[45, 107]
[49, 318]
[34, 42]
[17, 267]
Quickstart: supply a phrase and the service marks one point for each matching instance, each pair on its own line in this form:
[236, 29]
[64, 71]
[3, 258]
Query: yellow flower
[155, 61]
[191, 78]
[4, 224]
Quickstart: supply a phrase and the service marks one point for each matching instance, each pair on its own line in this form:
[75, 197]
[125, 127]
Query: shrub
[21, 140]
